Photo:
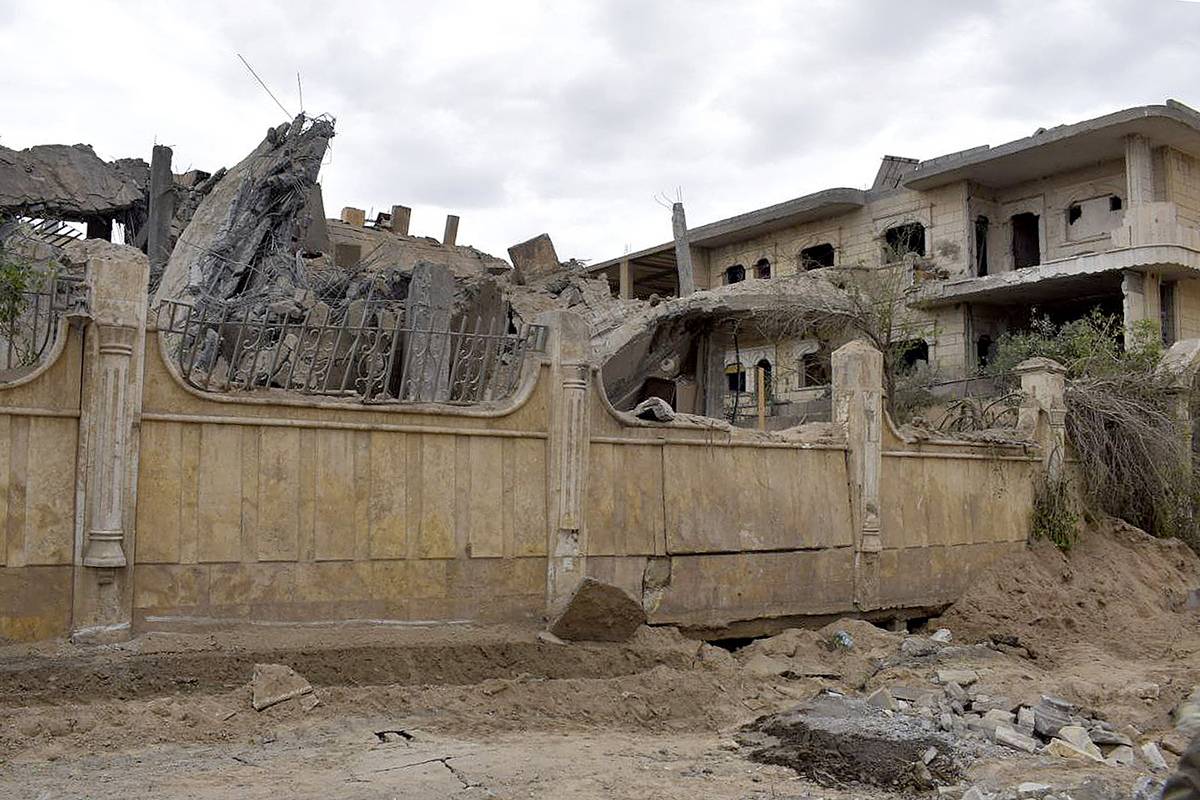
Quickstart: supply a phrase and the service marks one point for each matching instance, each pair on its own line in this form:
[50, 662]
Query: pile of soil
[1118, 590]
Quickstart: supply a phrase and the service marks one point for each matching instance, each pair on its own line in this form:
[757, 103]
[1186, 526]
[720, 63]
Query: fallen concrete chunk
[1153, 756]
[963, 677]
[942, 635]
[1064, 749]
[598, 612]
[1106, 737]
[1078, 737]
[1018, 741]
[655, 409]
[882, 698]
[1121, 756]
[1050, 714]
[534, 259]
[274, 683]
[549, 638]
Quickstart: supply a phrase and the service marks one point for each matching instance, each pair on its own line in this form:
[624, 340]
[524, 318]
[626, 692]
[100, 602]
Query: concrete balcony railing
[1154, 224]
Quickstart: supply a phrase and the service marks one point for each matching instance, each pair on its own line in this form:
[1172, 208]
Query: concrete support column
[1043, 412]
[858, 410]
[683, 252]
[162, 210]
[570, 375]
[710, 362]
[1135, 301]
[401, 218]
[1139, 171]
[625, 280]
[111, 405]
[450, 236]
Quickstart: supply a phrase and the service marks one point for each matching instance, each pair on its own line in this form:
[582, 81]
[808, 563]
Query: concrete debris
[882, 698]
[547, 637]
[1029, 789]
[598, 612]
[232, 244]
[1050, 714]
[941, 635]
[534, 259]
[654, 408]
[275, 683]
[1147, 788]
[1121, 756]
[1153, 756]
[833, 740]
[963, 677]
[1064, 749]
[69, 182]
[1079, 738]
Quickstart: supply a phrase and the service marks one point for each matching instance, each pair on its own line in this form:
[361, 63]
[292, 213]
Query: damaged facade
[1102, 213]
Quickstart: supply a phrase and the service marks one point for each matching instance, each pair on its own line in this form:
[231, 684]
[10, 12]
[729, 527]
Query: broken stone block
[1121, 756]
[598, 612]
[955, 692]
[963, 677]
[882, 698]
[1153, 756]
[1050, 714]
[1009, 738]
[1025, 719]
[973, 794]
[1079, 738]
[534, 259]
[1064, 749]
[1107, 737]
[998, 716]
[941, 635]
[275, 683]
[1029, 789]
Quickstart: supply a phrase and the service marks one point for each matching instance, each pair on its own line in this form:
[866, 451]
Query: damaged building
[1103, 214]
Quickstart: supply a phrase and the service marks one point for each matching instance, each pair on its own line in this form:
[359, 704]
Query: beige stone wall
[320, 511]
[39, 428]
[1182, 185]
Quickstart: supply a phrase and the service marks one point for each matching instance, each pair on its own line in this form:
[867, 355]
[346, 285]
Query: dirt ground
[495, 712]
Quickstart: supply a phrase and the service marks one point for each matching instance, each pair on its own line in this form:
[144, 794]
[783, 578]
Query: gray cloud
[569, 117]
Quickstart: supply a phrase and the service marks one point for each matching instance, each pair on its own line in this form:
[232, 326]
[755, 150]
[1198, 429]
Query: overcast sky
[570, 117]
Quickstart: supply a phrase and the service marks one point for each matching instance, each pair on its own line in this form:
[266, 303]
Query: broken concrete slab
[963, 677]
[655, 409]
[1064, 749]
[276, 683]
[882, 698]
[68, 182]
[1018, 741]
[534, 259]
[599, 612]
[1153, 756]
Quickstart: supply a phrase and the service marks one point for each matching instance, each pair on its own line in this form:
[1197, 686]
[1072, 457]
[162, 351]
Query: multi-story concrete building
[1104, 212]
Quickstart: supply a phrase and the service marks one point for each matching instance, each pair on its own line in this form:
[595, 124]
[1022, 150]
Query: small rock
[1153, 756]
[950, 792]
[1030, 789]
[1121, 757]
[882, 698]
[955, 692]
[941, 635]
[1107, 737]
[1147, 788]
[1064, 749]
[1018, 741]
[546, 637]
[973, 794]
[1079, 738]
[1050, 714]
[1144, 691]
[946, 722]
[929, 755]
[963, 677]
[274, 683]
[1000, 717]
[917, 647]
[918, 697]
[730, 745]
[842, 640]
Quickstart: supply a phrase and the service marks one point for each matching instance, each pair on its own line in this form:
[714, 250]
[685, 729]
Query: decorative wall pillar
[1139, 171]
[1043, 412]
[571, 376]
[114, 346]
[858, 410]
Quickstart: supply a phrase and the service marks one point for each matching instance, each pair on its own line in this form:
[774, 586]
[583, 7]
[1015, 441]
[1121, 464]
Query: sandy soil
[494, 712]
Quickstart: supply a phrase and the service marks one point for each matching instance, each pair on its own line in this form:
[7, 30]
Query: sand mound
[1118, 589]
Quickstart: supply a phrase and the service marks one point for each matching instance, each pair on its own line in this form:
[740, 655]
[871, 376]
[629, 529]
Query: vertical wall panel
[389, 501]
[486, 499]
[219, 514]
[335, 508]
[435, 539]
[159, 491]
[279, 495]
[50, 498]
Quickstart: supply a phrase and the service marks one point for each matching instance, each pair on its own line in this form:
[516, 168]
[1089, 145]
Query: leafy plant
[1054, 517]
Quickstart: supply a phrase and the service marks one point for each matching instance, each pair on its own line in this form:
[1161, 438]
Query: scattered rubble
[273, 684]
[598, 612]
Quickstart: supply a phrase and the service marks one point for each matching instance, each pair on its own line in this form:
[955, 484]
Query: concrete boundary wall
[132, 501]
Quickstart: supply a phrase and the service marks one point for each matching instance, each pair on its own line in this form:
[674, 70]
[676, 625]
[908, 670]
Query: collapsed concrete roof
[69, 182]
[1062, 147]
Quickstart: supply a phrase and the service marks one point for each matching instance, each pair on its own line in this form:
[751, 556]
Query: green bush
[1054, 515]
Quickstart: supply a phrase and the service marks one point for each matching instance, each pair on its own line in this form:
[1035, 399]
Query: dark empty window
[735, 274]
[1026, 246]
[1074, 212]
[983, 350]
[981, 237]
[736, 377]
[1114, 203]
[815, 369]
[911, 353]
[901, 240]
[1166, 311]
[817, 256]
[762, 269]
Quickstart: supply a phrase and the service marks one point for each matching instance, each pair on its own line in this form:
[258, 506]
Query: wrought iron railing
[30, 322]
[375, 358]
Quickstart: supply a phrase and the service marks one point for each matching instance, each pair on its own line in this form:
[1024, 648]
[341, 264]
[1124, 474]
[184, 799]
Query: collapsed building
[1103, 213]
